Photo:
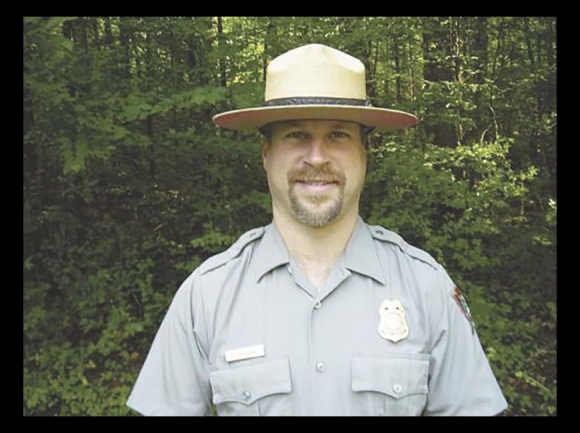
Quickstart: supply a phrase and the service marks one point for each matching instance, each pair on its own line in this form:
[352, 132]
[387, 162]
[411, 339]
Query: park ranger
[317, 313]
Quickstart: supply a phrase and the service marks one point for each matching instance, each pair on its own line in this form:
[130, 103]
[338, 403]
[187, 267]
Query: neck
[316, 249]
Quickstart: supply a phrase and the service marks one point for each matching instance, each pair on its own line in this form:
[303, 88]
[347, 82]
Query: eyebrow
[291, 124]
[344, 125]
[299, 123]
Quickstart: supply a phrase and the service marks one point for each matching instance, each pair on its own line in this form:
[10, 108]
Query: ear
[265, 150]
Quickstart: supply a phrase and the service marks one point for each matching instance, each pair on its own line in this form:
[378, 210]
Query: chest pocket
[391, 385]
[257, 389]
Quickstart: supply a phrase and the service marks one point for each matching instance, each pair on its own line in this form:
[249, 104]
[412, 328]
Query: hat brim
[380, 118]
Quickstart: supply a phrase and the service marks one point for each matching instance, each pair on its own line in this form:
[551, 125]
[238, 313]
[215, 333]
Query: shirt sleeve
[461, 381]
[174, 379]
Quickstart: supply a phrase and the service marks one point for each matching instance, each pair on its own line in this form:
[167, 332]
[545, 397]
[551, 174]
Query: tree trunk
[150, 133]
[479, 65]
[81, 32]
[191, 60]
[125, 47]
[270, 45]
[397, 70]
[458, 49]
[95, 29]
[108, 32]
[437, 36]
[221, 60]
[479, 48]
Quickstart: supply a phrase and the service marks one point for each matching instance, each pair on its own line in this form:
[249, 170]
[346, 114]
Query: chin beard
[301, 204]
[316, 218]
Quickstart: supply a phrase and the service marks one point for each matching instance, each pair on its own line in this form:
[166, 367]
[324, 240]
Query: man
[317, 313]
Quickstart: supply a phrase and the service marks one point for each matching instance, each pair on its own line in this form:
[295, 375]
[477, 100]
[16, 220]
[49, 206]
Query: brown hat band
[316, 101]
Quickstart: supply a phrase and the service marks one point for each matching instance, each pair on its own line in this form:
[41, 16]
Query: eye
[296, 135]
[339, 135]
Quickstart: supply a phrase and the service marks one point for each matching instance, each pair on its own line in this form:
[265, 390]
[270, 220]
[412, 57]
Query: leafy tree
[128, 186]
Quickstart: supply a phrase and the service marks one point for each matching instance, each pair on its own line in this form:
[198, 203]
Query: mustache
[316, 174]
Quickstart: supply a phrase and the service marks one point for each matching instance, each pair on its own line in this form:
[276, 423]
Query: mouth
[316, 185]
[316, 182]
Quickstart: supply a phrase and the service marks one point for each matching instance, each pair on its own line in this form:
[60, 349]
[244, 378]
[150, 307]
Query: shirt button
[289, 269]
[317, 305]
[320, 367]
[397, 388]
[246, 395]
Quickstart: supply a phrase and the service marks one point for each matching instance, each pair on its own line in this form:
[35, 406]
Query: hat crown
[315, 70]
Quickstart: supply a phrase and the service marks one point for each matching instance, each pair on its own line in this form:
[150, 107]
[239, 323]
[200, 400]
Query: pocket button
[397, 388]
[246, 395]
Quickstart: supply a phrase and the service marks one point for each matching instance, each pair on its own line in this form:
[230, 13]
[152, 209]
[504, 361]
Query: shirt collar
[359, 256]
[271, 252]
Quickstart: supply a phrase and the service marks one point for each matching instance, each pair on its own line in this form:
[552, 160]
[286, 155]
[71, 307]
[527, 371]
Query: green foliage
[128, 186]
[519, 341]
[467, 207]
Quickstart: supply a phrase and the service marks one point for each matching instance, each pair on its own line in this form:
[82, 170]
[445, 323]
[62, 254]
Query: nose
[316, 153]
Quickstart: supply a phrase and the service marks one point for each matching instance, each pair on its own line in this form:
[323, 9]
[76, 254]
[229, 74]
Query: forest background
[128, 186]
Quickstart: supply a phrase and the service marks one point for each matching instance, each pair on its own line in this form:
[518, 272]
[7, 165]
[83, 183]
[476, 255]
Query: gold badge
[393, 326]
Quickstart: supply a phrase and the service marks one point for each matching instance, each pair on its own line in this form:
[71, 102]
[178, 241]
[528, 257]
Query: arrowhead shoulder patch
[462, 303]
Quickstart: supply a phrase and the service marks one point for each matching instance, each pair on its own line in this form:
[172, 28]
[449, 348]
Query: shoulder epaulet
[233, 251]
[385, 235]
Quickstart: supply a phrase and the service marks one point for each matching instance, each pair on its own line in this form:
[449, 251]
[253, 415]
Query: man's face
[315, 170]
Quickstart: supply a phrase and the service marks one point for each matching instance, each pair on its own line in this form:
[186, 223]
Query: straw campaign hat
[316, 82]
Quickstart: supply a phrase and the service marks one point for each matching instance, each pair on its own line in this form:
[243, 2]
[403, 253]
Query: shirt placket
[322, 365]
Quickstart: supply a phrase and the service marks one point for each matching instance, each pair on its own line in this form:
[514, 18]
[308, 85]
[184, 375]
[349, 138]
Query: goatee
[300, 204]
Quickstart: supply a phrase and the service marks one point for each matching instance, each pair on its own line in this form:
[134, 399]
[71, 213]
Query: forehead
[315, 123]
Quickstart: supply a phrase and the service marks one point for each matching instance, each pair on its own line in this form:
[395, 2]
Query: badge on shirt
[393, 325]
[460, 299]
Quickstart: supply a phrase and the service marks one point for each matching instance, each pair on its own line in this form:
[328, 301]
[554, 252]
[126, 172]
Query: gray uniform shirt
[248, 333]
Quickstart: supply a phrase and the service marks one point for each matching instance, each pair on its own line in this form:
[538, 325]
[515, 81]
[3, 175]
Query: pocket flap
[249, 383]
[395, 375]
